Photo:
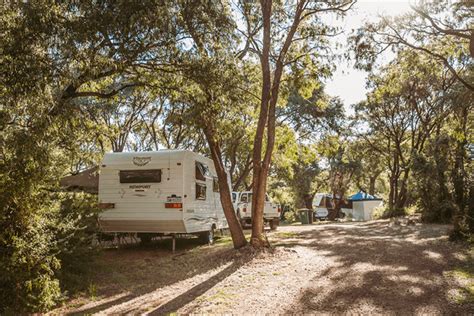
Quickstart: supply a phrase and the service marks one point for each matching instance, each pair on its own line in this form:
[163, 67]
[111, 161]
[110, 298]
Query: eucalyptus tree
[371, 162]
[279, 34]
[441, 30]
[54, 54]
[407, 102]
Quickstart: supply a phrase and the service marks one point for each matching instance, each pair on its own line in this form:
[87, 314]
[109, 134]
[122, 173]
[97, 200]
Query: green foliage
[378, 212]
[291, 216]
[76, 237]
[58, 60]
[431, 169]
[50, 255]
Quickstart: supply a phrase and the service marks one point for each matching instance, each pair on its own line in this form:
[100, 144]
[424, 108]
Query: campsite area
[384, 267]
[237, 157]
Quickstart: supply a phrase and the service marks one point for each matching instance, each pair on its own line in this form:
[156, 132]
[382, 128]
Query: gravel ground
[374, 267]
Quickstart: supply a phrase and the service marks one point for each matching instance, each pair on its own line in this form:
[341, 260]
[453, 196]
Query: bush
[387, 212]
[379, 212]
[441, 212]
[79, 216]
[291, 216]
[43, 252]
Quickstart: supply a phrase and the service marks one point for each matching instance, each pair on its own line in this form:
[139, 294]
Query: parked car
[243, 206]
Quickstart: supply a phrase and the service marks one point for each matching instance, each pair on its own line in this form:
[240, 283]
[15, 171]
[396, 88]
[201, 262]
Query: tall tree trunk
[403, 193]
[372, 180]
[458, 177]
[391, 194]
[267, 116]
[238, 237]
[308, 200]
[259, 172]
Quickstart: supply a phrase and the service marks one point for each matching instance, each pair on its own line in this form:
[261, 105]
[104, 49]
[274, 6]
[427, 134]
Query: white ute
[166, 192]
[243, 206]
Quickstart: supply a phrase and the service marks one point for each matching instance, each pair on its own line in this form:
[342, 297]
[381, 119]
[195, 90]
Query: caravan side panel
[200, 215]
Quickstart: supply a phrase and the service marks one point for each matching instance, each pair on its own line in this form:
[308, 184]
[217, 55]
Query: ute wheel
[207, 237]
[274, 224]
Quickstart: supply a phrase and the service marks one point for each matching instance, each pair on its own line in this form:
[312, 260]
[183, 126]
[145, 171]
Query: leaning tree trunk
[238, 237]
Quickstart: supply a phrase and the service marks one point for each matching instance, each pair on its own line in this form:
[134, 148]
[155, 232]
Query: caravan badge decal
[141, 161]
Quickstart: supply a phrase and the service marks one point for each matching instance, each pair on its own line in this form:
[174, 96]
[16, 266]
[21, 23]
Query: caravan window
[200, 191]
[140, 176]
[234, 197]
[201, 171]
[215, 184]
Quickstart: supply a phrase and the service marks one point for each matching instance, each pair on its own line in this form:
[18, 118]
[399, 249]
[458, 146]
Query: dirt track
[332, 268]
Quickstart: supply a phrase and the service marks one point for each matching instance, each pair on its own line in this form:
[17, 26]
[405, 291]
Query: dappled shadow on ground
[379, 269]
[196, 291]
[124, 274]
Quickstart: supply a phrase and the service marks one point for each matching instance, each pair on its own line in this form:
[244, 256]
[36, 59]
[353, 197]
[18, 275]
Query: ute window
[215, 184]
[200, 191]
[246, 198]
[201, 171]
[140, 176]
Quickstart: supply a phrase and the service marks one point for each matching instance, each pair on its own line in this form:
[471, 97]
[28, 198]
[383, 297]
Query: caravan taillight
[279, 210]
[174, 205]
[245, 210]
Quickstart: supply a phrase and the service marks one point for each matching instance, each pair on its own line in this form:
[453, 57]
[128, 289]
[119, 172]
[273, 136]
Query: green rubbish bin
[303, 213]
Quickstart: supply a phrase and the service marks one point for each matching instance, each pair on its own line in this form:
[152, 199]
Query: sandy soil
[373, 267]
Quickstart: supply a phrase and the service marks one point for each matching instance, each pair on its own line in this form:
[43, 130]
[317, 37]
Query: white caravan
[166, 192]
[243, 206]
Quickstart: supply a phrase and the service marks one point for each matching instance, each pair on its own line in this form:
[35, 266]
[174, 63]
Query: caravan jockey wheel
[207, 237]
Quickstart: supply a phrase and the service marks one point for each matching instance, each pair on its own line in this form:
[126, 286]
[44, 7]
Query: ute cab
[243, 206]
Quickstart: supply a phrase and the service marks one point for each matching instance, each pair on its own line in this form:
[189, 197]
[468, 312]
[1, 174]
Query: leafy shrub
[386, 212]
[441, 212]
[411, 210]
[378, 212]
[291, 216]
[75, 239]
[43, 256]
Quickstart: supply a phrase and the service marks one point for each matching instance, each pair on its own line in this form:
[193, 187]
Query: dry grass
[329, 268]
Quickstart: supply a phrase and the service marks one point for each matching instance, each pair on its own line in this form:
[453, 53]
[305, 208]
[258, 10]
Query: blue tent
[361, 196]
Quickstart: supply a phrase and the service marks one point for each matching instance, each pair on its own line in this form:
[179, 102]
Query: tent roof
[361, 195]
